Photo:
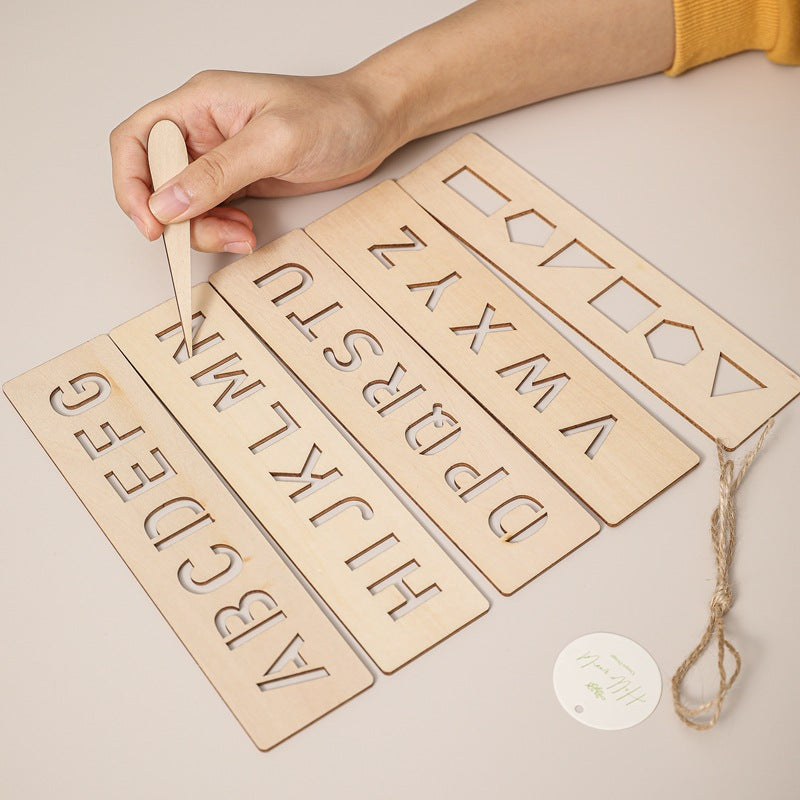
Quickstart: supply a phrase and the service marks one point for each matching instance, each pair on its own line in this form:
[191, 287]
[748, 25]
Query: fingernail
[141, 226]
[243, 248]
[166, 204]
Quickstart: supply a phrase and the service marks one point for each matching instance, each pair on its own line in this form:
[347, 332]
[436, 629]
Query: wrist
[386, 97]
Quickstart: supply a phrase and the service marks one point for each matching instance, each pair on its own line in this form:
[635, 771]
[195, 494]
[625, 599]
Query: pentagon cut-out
[576, 255]
[674, 341]
[529, 228]
[730, 378]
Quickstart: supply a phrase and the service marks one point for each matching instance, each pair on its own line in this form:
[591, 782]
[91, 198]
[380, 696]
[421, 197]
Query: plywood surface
[262, 641]
[570, 264]
[378, 569]
[597, 439]
[501, 508]
[166, 157]
[699, 174]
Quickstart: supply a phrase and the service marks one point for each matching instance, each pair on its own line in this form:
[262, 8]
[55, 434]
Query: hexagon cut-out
[529, 227]
[676, 342]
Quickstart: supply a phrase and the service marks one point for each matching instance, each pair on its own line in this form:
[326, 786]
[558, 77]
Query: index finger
[129, 168]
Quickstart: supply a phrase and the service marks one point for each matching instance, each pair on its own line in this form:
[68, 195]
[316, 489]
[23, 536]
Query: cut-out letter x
[482, 329]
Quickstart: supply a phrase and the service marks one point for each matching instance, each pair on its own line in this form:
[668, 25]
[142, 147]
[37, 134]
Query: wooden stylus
[167, 156]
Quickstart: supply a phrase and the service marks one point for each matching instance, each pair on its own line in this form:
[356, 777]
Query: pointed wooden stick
[167, 156]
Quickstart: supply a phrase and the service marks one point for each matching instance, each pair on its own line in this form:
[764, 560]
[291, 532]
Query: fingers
[186, 106]
[131, 178]
[249, 134]
[216, 175]
[223, 230]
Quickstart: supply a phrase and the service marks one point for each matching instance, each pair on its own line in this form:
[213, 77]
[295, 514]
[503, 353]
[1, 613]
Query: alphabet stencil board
[456, 388]
[580, 272]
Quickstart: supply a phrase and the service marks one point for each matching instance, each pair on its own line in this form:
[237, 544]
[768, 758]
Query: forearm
[495, 55]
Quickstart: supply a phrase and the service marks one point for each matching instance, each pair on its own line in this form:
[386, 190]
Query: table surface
[698, 174]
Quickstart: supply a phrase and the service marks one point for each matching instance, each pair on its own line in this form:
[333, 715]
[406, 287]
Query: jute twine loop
[723, 539]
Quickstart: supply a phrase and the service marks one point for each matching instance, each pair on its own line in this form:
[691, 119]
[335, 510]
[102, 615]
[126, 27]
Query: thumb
[212, 178]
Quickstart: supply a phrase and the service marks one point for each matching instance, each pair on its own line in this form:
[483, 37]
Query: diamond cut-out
[674, 341]
[624, 304]
[529, 228]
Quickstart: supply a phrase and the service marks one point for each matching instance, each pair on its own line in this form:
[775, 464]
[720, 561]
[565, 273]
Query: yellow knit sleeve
[710, 29]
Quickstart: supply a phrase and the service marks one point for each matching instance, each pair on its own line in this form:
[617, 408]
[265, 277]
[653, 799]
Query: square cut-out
[477, 191]
[624, 304]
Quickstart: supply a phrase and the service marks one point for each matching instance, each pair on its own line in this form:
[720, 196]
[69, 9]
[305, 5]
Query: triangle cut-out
[603, 427]
[732, 379]
[575, 255]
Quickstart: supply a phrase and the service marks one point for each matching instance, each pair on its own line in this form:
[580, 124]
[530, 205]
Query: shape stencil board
[571, 416]
[500, 507]
[262, 641]
[573, 266]
[379, 570]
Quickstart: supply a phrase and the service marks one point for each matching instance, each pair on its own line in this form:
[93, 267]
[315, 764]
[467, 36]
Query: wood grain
[495, 502]
[378, 569]
[255, 632]
[167, 156]
[608, 449]
[572, 292]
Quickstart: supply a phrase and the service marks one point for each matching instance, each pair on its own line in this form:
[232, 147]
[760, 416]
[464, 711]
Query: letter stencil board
[378, 569]
[440, 372]
[668, 340]
[500, 507]
[608, 449]
[265, 645]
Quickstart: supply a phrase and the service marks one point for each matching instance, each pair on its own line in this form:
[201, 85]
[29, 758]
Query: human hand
[250, 135]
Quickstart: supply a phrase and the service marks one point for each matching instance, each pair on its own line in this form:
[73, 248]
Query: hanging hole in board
[529, 227]
[674, 341]
[624, 304]
[730, 378]
[477, 191]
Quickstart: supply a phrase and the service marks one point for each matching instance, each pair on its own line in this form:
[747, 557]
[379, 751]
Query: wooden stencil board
[575, 419]
[262, 641]
[500, 507]
[378, 569]
[577, 269]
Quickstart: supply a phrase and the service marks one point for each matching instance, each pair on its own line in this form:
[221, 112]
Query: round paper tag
[607, 681]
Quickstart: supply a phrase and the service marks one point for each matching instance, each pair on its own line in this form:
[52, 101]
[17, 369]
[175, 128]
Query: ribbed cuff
[787, 46]
[709, 29]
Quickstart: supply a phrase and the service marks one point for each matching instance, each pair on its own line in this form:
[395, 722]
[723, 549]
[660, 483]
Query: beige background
[99, 699]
